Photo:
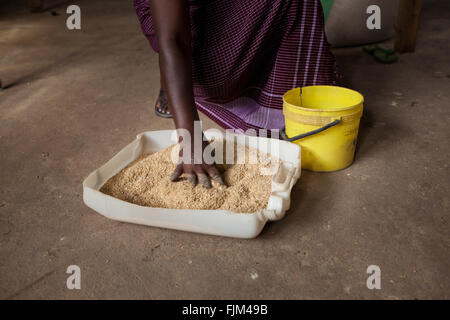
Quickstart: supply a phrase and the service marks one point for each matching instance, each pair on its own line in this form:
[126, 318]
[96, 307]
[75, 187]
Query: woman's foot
[162, 105]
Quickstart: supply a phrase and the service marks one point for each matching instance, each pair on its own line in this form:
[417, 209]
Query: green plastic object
[380, 54]
[327, 5]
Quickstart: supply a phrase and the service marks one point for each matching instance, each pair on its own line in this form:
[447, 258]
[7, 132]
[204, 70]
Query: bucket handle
[310, 133]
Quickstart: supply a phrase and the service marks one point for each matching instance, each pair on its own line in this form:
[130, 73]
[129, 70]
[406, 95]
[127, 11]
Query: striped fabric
[248, 53]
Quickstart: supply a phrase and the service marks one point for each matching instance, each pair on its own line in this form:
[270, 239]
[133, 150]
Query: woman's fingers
[219, 180]
[192, 178]
[202, 177]
[214, 174]
[204, 180]
[198, 174]
[176, 173]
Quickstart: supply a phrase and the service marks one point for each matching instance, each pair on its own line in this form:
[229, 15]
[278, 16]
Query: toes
[162, 106]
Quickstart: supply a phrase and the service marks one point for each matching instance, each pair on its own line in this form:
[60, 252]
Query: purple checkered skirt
[248, 53]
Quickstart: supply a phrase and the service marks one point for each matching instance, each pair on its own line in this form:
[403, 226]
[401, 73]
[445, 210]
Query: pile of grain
[146, 182]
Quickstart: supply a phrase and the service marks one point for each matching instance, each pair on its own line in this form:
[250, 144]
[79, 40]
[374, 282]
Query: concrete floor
[75, 98]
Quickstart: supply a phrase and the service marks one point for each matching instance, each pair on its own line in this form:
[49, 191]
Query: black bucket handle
[310, 133]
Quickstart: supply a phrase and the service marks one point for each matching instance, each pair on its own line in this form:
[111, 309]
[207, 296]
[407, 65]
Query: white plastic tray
[215, 222]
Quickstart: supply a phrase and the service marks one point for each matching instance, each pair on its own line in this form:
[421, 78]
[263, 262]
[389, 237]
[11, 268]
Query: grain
[146, 182]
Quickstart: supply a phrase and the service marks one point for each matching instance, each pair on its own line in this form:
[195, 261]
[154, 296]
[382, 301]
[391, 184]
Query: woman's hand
[198, 173]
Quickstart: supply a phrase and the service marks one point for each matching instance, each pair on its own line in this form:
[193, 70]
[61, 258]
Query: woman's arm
[173, 31]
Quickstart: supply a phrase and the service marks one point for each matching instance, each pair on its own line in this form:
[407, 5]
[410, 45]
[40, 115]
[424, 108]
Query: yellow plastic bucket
[324, 121]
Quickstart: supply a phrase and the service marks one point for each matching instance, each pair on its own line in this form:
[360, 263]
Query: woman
[233, 60]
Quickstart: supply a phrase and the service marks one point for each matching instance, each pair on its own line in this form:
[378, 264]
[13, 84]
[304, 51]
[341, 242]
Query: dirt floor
[75, 98]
